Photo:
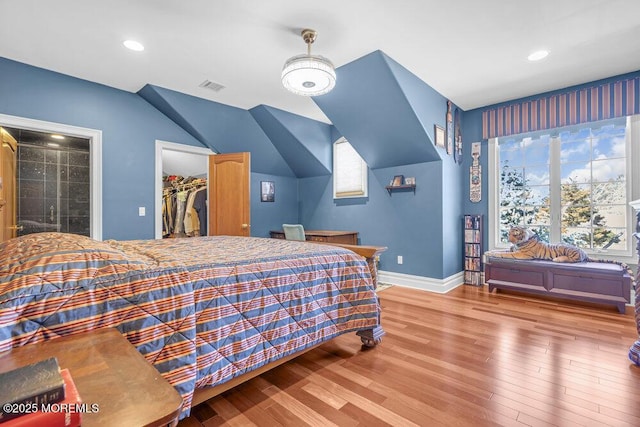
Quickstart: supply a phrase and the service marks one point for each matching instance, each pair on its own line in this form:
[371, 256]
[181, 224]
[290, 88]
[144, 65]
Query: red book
[66, 413]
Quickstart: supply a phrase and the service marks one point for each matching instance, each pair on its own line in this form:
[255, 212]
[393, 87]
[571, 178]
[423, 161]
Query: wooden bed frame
[369, 337]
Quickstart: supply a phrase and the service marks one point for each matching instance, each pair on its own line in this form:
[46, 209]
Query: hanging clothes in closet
[184, 206]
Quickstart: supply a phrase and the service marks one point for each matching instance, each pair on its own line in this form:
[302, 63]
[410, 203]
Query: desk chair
[294, 232]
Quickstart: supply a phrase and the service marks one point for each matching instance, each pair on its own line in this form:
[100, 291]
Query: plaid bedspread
[201, 310]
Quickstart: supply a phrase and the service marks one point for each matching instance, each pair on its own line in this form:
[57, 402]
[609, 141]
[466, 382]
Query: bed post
[373, 337]
[369, 337]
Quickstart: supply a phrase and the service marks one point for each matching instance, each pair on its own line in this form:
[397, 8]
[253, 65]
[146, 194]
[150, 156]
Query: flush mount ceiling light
[133, 45]
[538, 55]
[308, 75]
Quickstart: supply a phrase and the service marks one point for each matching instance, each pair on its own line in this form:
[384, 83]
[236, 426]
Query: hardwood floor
[467, 358]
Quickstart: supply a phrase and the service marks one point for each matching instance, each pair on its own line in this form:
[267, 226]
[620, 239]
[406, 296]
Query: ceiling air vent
[216, 87]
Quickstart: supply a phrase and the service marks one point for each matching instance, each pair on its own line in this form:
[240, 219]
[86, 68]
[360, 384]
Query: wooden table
[328, 236]
[108, 371]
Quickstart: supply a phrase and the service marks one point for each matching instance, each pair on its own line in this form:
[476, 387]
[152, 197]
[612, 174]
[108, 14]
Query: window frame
[633, 188]
[363, 190]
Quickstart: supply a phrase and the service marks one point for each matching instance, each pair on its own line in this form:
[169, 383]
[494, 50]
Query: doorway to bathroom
[57, 178]
[52, 182]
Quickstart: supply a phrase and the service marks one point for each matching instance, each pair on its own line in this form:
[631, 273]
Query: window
[569, 185]
[349, 171]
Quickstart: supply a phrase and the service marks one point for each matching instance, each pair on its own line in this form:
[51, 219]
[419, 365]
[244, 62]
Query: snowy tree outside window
[568, 185]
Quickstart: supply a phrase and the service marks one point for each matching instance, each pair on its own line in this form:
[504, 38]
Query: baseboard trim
[440, 286]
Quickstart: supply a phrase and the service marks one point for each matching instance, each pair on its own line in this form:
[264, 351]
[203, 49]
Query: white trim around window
[632, 147]
[493, 187]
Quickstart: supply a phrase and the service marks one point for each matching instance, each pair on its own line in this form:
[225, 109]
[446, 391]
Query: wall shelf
[392, 188]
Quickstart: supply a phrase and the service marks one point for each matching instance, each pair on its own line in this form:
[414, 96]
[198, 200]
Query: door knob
[245, 226]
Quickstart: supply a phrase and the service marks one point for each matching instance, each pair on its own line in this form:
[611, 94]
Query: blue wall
[222, 128]
[452, 212]
[266, 216]
[304, 144]
[388, 114]
[129, 125]
[429, 108]
[403, 221]
[423, 227]
[382, 109]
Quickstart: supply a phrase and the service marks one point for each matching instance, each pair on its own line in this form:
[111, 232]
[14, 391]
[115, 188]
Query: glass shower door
[53, 184]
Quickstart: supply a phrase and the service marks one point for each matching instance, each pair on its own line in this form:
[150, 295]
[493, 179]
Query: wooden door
[7, 186]
[229, 194]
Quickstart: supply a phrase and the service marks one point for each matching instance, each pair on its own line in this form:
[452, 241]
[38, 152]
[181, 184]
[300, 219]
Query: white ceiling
[471, 51]
[184, 164]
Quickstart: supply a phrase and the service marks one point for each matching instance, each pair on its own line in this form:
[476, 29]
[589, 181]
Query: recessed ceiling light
[133, 45]
[56, 136]
[53, 144]
[538, 55]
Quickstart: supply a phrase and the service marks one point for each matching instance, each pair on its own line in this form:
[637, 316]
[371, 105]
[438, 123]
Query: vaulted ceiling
[386, 113]
[472, 52]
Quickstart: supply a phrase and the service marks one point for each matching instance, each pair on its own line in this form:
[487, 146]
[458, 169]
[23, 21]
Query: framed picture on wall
[438, 135]
[267, 191]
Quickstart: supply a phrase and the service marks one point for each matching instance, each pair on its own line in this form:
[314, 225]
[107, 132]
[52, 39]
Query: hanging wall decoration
[475, 174]
[449, 129]
[457, 137]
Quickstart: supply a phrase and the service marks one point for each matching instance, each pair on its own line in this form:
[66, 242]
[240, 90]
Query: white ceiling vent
[216, 87]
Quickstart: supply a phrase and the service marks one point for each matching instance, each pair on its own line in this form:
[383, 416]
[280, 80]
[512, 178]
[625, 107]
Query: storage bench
[599, 282]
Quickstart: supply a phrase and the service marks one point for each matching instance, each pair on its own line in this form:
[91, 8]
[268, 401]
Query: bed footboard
[370, 253]
[370, 337]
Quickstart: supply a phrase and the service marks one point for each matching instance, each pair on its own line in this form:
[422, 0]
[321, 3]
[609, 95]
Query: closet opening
[181, 190]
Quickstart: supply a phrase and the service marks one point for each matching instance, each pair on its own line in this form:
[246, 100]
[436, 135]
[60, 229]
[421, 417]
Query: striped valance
[606, 101]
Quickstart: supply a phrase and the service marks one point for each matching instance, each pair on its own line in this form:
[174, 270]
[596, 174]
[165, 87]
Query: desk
[107, 370]
[328, 236]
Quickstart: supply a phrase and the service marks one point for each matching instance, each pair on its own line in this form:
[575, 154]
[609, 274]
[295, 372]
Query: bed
[202, 310]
